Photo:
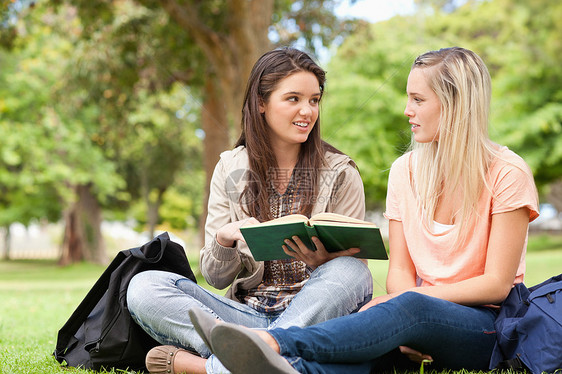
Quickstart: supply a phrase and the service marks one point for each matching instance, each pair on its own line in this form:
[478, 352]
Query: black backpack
[101, 334]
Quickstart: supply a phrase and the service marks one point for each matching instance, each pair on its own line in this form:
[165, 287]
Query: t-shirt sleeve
[396, 179]
[514, 188]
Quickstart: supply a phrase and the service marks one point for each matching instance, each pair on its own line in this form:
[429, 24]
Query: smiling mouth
[414, 126]
[300, 124]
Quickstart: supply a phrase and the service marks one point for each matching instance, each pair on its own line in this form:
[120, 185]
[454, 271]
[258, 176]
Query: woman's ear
[261, 105]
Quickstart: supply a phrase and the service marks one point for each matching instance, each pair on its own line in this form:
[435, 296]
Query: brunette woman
[279, 166]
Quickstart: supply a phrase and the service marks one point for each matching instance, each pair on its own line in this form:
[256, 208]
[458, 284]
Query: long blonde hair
[462, 154]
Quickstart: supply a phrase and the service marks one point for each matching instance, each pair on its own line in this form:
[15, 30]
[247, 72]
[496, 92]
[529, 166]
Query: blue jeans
[159, 302]
[455, 336]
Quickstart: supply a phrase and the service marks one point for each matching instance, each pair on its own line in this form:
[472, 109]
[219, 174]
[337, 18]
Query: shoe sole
[243, 352]
[203, 323]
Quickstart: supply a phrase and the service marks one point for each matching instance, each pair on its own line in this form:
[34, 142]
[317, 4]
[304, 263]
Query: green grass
[544, 242]
[37, 297]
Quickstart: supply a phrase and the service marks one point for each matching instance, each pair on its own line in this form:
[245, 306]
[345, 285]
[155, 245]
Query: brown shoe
[160, 360]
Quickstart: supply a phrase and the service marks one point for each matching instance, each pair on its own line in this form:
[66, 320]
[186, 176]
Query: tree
[163, 145]
[228, 37]
[232, 34]
[36, 173]
[123, 53]
[120, 75]
[26, 193]
[363, 109]
[519, 42]
[69, 173]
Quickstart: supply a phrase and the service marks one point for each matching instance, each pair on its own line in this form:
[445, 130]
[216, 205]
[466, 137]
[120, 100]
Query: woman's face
[292, 109]
[423, 107]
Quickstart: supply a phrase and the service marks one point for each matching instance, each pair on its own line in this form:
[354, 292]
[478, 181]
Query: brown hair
[267, 72]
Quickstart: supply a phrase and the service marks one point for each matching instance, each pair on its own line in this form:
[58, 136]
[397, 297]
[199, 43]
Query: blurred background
[113, 113]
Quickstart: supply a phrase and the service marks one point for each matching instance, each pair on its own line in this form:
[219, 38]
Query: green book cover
[265, 240]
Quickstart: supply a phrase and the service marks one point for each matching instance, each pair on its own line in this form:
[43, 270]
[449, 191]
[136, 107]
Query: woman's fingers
[414, 355]
[314, 257]
[322, 250]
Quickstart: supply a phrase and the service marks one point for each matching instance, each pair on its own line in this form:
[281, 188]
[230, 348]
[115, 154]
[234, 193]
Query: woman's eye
[293, 98]
[316, 100]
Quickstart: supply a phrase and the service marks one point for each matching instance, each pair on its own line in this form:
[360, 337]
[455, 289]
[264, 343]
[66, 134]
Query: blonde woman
[458, 207]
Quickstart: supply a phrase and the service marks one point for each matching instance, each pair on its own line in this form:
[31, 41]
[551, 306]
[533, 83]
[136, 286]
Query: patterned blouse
[282, 279]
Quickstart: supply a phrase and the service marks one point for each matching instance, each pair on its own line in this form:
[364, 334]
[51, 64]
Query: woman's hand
[297, 249]
[375, 301]
[230, 233]
[414, 355]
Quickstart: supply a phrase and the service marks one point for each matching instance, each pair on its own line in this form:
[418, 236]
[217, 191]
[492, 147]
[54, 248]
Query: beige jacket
[224, 266]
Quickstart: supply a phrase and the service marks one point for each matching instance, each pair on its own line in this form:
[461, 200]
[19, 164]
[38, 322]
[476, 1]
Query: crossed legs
[455, 336]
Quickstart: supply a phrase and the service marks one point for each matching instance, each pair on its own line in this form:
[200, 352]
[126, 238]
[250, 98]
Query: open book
[335, 231]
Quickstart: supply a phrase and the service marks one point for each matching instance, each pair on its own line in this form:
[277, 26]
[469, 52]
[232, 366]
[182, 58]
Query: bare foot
[266, 337]
[188, 363]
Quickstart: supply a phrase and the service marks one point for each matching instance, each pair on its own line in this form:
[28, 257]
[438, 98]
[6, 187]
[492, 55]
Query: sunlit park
[113, 115]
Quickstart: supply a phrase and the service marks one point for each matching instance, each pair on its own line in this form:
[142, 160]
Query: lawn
[37, 297]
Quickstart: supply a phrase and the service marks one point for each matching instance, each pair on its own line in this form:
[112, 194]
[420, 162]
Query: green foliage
[163, 155]
[520, 43]
[101, 110]
[28, 179]
[163, 137]
[541, 141]
[309, 22]
[364, 104]
[92, 95]
[142, 120]
[182, 206]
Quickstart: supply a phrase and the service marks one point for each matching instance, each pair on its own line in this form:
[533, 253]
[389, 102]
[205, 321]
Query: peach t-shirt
[435, 260]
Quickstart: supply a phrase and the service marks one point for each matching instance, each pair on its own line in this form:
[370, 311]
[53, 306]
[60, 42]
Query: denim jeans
[159, 302]
[455, 336]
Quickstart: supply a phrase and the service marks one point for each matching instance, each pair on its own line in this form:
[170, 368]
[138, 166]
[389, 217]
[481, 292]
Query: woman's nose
[407, 111]
[305, 110]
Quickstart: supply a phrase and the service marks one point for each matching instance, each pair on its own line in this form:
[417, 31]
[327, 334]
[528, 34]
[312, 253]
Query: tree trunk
[231, 53]
[153, 208]
[83, 239]
[72, 245]
[555, 195]
[7, 242]
[217, 138]
[232, 50]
